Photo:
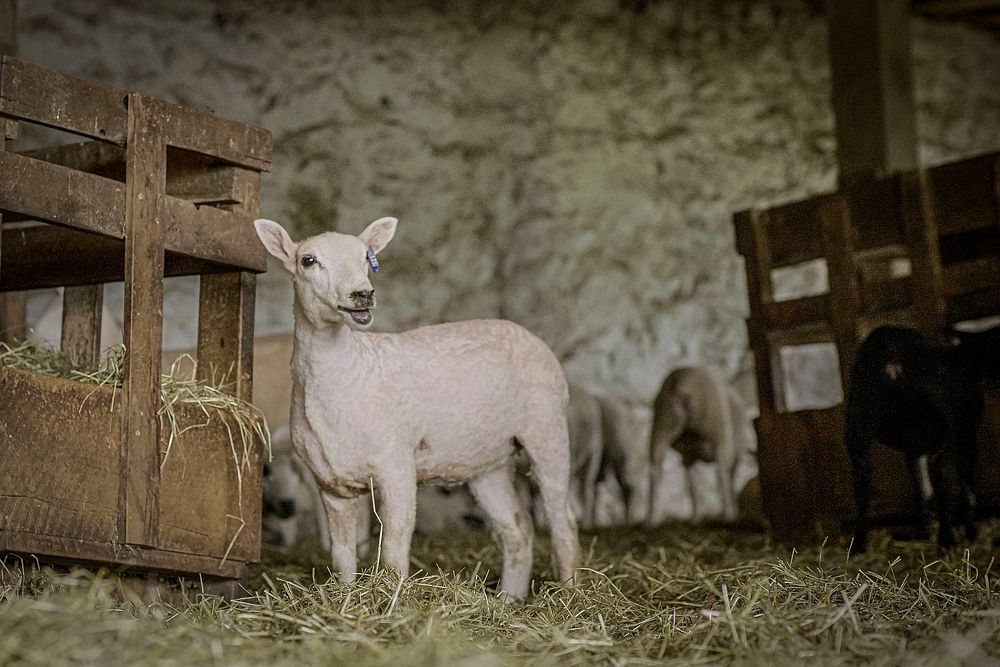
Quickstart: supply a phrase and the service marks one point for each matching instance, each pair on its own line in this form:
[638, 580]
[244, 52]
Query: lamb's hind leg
[398, 512]
[497, 496]
[341, 516]
[547, 445]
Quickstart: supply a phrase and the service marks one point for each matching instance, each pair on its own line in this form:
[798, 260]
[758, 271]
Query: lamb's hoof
[971, 532]
[510, 598]
[946, 539]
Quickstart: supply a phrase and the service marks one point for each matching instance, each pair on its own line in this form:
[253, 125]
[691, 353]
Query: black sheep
[978, 353]
[915, 399]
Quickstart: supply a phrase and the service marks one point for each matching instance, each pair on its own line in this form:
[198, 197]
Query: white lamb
[445, 404]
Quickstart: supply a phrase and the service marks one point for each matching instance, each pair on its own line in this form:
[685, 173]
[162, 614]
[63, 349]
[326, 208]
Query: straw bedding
[681, 594]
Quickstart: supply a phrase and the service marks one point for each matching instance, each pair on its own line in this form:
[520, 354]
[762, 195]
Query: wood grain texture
[163, 190]
[51, 256]
[143, 324]
[872, 86]
[47, 97]
[71, 493]
[197, 178]
[96, 204]
[80, 339]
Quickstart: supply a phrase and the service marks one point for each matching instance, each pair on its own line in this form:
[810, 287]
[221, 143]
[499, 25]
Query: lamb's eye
[308, 260]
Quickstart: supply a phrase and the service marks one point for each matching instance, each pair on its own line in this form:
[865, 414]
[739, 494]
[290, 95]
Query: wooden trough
[919, 248]
[158, 190]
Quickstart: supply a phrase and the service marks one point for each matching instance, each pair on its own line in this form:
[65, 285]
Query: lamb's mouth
[362, 316]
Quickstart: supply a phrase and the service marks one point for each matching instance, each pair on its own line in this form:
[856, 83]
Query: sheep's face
[330, 271]
[894, 353]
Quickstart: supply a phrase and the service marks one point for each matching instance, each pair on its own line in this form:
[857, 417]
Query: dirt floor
[678, 595]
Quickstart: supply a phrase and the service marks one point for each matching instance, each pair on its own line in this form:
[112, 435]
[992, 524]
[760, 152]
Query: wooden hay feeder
[919, 248]
[160, 190]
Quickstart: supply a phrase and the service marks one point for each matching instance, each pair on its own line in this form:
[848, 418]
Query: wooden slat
[65, 550]
[13, 307]
[807, 334]
[213, 234]
[225, 341]
[752, 243]
[191, 176]
[94, 110]
[47, 97]
[844, 296]
[920, 220]
[886, 295]
[225, 317]
[50, 256]
[96, 204]
[875, 212]
[793, 232]
[81, 323]
[84, 201]
[225, 139]
[971, 276]
[973, 305]
[964, 194]
[796, 312]
[955, 7]
[225, 331]
[143, 326]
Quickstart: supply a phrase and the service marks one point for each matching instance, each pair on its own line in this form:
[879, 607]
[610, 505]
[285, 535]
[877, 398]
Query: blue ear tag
[372, 260]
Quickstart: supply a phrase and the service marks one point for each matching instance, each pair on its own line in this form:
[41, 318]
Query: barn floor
[681, 594]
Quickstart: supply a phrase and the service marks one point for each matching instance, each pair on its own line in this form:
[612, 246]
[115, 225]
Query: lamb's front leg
[341, 514]
[398, 513]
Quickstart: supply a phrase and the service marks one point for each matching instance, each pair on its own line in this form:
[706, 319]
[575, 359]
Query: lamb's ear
[277, 241]
[378, 234]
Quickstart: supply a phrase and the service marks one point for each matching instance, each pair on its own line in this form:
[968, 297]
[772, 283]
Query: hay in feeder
[679, 595]
[176, 387]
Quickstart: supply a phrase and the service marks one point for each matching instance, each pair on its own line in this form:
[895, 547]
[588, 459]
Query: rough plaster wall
[571, 166]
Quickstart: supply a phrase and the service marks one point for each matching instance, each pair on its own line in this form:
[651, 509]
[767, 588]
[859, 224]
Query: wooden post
[921, 230]
[8, 27]
[145, 185]
[81, 323]
[225, 318]
[845, 294]
[12, 304]
[872, 76]
[752, 242]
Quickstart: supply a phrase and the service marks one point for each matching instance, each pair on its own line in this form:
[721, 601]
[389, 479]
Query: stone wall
[572, 166]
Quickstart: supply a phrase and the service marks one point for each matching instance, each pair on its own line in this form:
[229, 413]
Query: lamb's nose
[286, 508]
[363, 298]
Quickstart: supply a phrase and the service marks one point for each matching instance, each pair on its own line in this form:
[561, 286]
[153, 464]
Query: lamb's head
[330, 271]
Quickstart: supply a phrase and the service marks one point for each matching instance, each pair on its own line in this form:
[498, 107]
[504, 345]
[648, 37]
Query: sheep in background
[586, 445]
[586, 442]
[444, 403]
[701, 418]
[448, 509]
[626, 455]
[915, 399]
[293, 511]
